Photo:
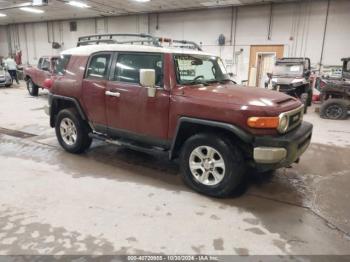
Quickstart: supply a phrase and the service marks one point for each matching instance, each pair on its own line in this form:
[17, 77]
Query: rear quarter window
[61, 64]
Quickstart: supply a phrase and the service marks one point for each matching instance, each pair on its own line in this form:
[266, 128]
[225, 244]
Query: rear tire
[33, 89]
[72, 132]
[212, 165]
[336, 109]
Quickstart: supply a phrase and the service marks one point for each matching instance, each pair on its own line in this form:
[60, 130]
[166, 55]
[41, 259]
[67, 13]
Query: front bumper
[5, 83]
[275, 152]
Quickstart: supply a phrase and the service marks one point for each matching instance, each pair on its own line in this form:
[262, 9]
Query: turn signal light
[48, 83]
[263, 122]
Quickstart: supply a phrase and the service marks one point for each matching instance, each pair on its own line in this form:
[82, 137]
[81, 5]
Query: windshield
[199, 69]
[288, 70]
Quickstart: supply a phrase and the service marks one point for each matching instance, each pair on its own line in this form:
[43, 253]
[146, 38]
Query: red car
[178, 101]
[36, 75]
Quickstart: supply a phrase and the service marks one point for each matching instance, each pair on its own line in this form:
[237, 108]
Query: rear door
[130, 112]
[94, 88]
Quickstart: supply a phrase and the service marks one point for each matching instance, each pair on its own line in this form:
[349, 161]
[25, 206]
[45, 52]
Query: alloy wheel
[207, 165]
[68, 131]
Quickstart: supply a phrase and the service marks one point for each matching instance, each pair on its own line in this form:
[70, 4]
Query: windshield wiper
[196, 83]
[221, 81]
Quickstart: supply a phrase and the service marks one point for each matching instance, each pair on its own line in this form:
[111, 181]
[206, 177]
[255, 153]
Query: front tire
[336, 109]
[72, 132]
[10, 84]
[212, 165]
[33, 89]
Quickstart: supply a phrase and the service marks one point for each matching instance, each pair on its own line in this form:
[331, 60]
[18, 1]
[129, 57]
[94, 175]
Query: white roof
[90, 49]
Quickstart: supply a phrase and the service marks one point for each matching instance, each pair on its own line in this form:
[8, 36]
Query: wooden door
[261, 49]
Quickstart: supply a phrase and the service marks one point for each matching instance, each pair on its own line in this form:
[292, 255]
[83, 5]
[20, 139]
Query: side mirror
[230, 74]
[307, 73]
[148, 80]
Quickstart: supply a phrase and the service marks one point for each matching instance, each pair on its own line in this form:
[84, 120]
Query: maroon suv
[173, 99]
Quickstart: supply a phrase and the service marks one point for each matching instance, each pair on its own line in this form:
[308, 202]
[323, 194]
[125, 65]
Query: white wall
[298, 26]
[3, 41]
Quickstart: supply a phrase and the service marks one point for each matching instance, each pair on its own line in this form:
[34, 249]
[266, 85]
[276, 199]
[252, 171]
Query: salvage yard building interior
[175, 130]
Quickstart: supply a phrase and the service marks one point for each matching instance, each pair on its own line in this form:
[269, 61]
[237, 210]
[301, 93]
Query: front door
[43, 72]
[94, 88]
[266, 62]
[130, 112]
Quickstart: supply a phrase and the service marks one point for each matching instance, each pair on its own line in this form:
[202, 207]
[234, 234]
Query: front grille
[295, 117]
[285, 88]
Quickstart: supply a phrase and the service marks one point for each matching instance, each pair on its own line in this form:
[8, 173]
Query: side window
[98, 66]
[128, 67]
[53, 63]
[45, 64]
[307, 64]
[40, 62]
[61, 64]
[347, 67]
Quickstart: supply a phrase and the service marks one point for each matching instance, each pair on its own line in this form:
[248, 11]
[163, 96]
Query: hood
[245, 97]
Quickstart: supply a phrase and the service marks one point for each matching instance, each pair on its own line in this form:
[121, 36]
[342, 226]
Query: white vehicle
[5, 78]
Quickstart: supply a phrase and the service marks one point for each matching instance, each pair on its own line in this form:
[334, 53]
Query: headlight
[283, 124]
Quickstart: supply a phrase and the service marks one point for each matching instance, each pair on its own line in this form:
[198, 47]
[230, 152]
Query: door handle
[115, 94]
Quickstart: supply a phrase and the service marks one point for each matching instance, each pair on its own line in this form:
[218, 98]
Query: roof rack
[112, 39]
[143, 39]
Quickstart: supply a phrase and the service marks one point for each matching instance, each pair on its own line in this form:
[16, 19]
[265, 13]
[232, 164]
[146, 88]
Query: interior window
[98, 66]
[128, 67]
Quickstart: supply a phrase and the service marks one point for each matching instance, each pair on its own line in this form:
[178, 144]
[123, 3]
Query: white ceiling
[59, 9]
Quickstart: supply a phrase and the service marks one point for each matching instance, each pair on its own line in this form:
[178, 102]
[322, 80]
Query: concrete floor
[116, 201]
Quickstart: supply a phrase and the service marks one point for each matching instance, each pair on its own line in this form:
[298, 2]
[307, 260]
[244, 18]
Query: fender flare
[242, 135]
[52, 104]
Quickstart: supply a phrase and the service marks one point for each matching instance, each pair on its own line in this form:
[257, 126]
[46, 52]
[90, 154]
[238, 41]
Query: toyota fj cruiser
[161, 95]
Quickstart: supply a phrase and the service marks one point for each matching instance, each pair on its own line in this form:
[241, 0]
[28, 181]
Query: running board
[131, 145]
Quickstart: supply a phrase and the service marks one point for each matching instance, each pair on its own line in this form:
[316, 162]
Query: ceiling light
[2, 15]
[78, 4]
[142, 1]
[32, 10]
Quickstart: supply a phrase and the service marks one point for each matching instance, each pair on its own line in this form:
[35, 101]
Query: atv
[292, 77]
[335, 96]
